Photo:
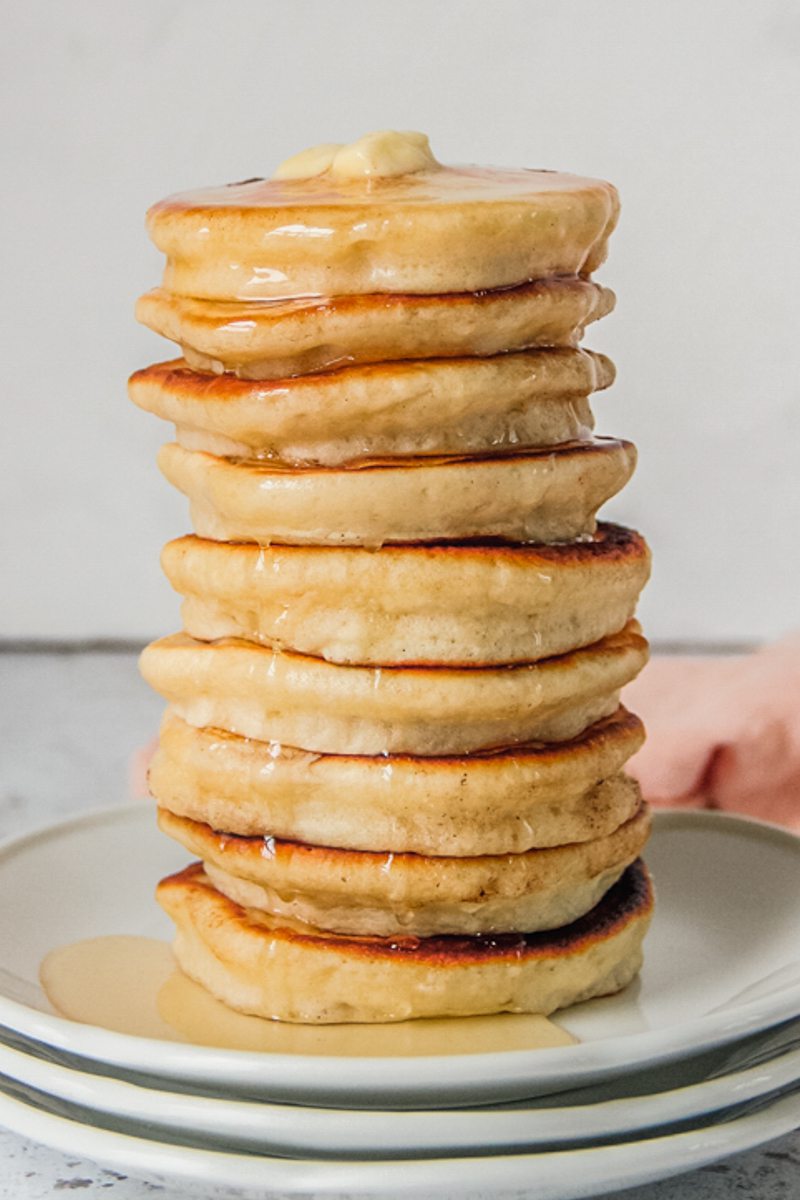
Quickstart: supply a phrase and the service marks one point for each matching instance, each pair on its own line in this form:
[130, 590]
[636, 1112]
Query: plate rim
[601, 1168]
[446, 1076]
[193, 1112]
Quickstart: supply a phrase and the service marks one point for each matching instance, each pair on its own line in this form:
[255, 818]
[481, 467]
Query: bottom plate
[560, 1175]
[721, 962]
[625, 1107]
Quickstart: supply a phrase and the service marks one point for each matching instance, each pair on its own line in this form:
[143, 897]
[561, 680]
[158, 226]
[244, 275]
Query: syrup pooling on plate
[132, 985]
[112, 982]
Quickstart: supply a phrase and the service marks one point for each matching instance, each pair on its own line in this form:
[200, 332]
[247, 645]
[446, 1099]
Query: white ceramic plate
[722, 962]
[559, 1175]
[661, 1096]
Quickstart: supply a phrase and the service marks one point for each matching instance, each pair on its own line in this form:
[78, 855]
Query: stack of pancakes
[394, 738]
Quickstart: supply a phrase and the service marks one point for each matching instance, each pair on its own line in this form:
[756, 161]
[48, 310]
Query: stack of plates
[698, 1060]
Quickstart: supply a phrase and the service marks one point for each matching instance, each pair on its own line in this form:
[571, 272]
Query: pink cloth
[723, 732]
[138, 767]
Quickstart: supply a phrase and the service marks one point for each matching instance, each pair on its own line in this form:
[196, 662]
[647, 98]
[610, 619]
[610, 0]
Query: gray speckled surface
[32, 1172]
[70, 723]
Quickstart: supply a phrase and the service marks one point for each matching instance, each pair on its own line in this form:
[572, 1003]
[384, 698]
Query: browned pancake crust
[212, 313]
[277, 338]
[621, 724]
[178, 377]
[611, 543]
[630, 899]
[595, 445]
[630, 637]
[287, 851]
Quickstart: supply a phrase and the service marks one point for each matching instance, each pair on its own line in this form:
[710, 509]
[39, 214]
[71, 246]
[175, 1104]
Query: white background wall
[690, 106]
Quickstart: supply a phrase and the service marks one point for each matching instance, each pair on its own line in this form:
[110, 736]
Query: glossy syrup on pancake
[414, 604]
[531, 496]
[391, 894]
[499, 802]
[417, 407]
[305, 702]
[381, 222]
[272, 339]
[279, 968]
[629, 898]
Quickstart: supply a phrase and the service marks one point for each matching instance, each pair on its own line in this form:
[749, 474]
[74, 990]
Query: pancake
[457, 605]
[443, 230]
[387, 894]
[306, 702]
[537, 496]
[281, 970]
[428, 406]
[276, 338]
[501, 803]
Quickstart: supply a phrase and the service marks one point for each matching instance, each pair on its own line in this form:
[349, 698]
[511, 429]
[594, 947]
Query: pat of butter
[376, 155]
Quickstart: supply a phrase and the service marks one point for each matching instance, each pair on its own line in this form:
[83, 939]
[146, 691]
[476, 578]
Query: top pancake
[451, 229]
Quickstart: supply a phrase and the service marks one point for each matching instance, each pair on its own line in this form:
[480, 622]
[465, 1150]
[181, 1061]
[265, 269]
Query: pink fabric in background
[137, 771]
[722, 732]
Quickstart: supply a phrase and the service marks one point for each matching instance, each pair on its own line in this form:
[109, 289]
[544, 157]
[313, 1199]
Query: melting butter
[132, 985]
[381, 155]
